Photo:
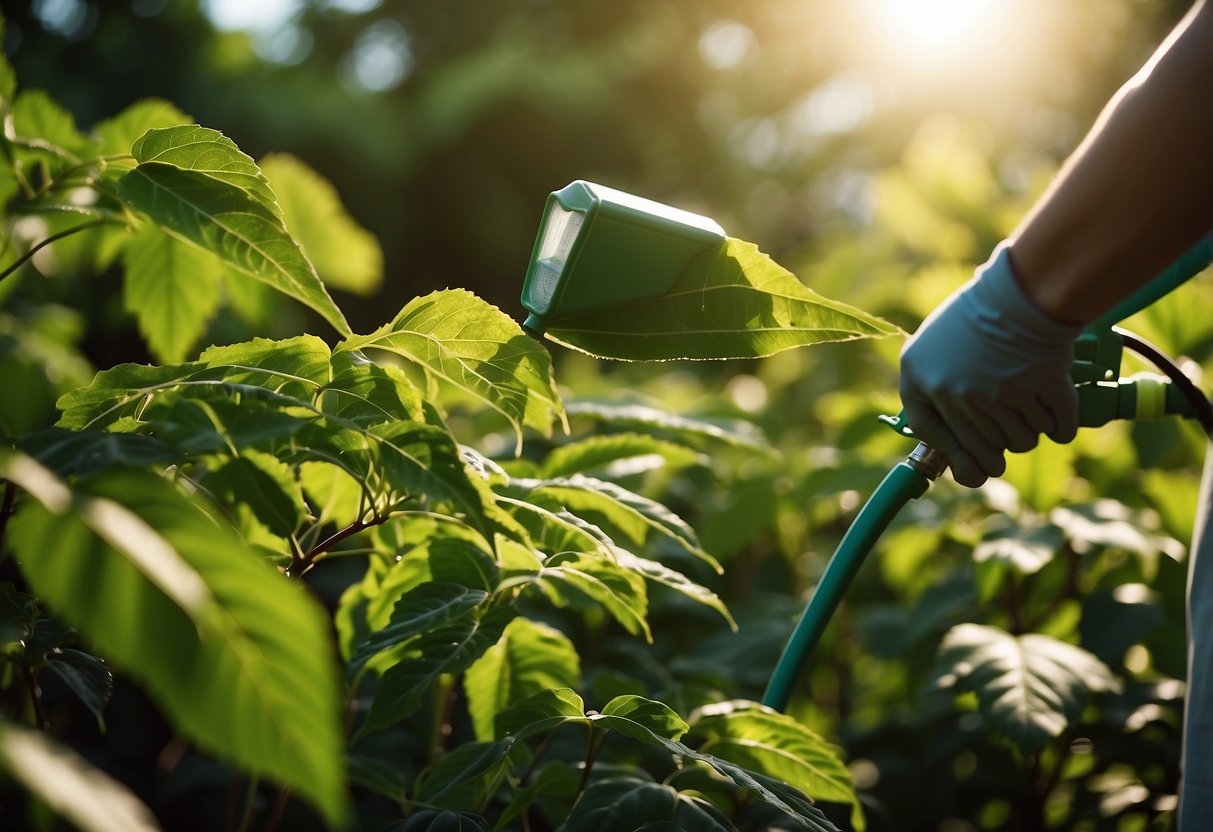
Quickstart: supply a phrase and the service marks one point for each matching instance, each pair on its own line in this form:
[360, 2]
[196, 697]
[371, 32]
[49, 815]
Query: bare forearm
[1138, 191]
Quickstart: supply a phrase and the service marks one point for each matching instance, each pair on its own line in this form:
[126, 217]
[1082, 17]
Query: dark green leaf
[619, 591]
[540, 712]
[449, 648]
[626, 804]
[86, 676]
[465, 777]
[260, 484]
[747, 306]
[71, 452]
[1029, 687]
[416, 613]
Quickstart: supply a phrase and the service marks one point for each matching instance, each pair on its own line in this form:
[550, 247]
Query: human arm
[988, 371]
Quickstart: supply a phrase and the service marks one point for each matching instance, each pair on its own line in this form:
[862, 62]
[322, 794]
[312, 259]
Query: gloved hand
[988, 372]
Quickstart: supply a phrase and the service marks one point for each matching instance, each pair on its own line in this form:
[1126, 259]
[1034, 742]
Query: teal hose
[902, 484]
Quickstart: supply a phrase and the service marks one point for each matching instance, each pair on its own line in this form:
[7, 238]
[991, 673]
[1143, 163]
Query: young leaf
[225, 645]
[172, 289]
[234, 224]
[747, 306]
[629, 803]
[530, 657]
[1029, 687]
[766, 741]
[345, 254]
[637, 717]
[201, 149]
[540, 712]
[70, 785]
[457, 337]
[38, 117]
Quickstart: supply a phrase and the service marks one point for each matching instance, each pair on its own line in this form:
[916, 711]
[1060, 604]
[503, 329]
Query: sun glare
[938, 21]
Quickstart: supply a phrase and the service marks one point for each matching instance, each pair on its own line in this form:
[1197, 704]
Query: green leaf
[230, 649]
[190, 147]
[1029, 687]
[117, 135]
[415, 613]
[636, 717]
[86, 676]
[540, 712]
[619, 591]
[619, 511]
[235, 225]
[530, 657]
[345, 254]
[8, 83]
[458, 338]
[661, 574]
[1027, 548]
[691, 431]
[465, 777]
[628, 803]
[449, 648]
[369, 394]
[71, 786]
[172, 289]
[766, 741]
[72, 452]
[258, 483]
[747, 306]
[1113, 524]
[38, 117]
[296, 367]
[453, 554]
[632, 451]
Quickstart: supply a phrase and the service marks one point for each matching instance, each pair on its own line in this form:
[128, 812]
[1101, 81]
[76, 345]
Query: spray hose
[1102, 396]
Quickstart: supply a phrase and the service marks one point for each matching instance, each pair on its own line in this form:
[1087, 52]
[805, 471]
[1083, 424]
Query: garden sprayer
[599, 248]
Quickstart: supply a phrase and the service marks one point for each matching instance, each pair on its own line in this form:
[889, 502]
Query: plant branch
[59, 236]
[6, 511]
[592, 746]
[302, 563]
[35, 695]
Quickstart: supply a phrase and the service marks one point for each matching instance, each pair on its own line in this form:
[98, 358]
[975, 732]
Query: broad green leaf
[627, 803]
[1027, 548]
[451, 553]
[659, 573]
[556, 531]
[617, 510]
[337, 495]
[530, 657]
[540, 712]
[747, 306]
[416, 613]
[230, 649]
[8, 83]
[235, 225]
[71, 786]
[203, 150]
[38, 117]
[296, 366]
[117, 135]
[689, 430]
[383, 777]
[458, 338]
[369, 394]
[258, 483]
[1113, 524]
[465, 777]
[636, 717]
[619, 591]
[619, 453]
[1029, 687]
[86, 676]
[72, 452]
[450, 648]
[774, 744]
[345, 254]
[218, 424]
[172, 289]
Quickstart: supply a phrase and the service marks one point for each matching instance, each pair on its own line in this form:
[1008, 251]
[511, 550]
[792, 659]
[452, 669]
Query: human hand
[988, 372]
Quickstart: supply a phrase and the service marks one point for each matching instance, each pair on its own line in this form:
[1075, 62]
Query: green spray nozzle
[598, 247]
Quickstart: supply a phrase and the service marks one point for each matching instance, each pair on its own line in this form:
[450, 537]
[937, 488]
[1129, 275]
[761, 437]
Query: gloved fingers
[931, 428]
[973, 430]
[1014, 431]
[1061, 399]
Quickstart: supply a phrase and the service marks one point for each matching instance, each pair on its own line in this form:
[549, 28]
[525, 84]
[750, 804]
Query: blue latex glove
[988, 372]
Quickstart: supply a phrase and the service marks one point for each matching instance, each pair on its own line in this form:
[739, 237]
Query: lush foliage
[300, 581]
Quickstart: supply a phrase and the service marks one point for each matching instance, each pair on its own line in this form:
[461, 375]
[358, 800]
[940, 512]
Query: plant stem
[284, 797]
[25, 257]
[6, 511]
[302, 563]
[594, 743]
[35, 695]
[250, 797]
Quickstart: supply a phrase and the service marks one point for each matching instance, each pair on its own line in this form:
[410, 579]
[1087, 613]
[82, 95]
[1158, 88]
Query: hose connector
[927, 461]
